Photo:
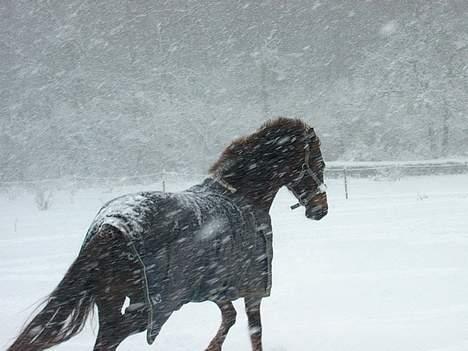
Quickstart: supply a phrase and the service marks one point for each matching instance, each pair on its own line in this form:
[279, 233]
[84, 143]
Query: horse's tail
[66, 309]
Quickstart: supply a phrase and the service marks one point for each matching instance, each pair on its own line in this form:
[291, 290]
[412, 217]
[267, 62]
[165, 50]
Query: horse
[211, 242]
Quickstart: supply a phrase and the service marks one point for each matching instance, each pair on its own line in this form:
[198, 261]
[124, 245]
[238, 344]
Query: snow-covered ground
[385, 270]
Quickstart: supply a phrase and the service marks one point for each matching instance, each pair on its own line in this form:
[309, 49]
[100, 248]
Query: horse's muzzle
[317, 208]
[316, 213]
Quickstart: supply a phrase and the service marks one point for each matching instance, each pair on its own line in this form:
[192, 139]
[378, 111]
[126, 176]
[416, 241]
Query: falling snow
[104, 98]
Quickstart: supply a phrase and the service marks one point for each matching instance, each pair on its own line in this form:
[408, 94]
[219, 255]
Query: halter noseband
[306, 170]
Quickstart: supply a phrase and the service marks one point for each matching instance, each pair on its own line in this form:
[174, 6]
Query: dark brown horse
[162, 250]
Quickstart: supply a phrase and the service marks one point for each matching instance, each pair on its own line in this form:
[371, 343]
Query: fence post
[345, 175]
[164, 180]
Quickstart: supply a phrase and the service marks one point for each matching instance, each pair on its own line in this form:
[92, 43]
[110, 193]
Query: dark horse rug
[194, 246]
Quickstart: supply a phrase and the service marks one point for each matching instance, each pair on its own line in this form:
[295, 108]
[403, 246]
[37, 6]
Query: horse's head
[283, 152]
[307, 184]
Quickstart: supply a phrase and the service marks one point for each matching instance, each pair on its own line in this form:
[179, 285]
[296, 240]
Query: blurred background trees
[115, 88]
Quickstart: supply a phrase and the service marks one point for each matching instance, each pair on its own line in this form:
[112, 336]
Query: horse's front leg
[252, 307]
[228, 315]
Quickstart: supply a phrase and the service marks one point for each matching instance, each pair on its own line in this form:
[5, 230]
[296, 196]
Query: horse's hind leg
[252, 307]
[119, 277]
[109, 319]
[115, 327]
[228, 314]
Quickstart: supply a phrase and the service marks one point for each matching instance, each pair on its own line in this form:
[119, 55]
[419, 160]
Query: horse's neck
[259, 184]
[261, 195]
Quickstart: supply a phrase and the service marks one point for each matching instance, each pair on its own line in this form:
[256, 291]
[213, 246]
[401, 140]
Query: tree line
[121, 88]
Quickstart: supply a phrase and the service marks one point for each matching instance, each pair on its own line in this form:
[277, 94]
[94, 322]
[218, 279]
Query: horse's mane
[265, 141]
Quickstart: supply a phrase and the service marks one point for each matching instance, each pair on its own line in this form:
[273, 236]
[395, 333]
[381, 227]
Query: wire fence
[79, 181]
[335, 170]
[392, 170]
[360, 170]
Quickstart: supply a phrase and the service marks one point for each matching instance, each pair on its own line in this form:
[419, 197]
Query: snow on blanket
[197, 245]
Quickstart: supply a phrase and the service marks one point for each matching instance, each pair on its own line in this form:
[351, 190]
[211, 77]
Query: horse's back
[129, 213]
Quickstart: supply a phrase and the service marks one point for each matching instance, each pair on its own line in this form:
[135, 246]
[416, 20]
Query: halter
[306, 170]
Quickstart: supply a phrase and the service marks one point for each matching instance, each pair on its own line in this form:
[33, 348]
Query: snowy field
[385, 270]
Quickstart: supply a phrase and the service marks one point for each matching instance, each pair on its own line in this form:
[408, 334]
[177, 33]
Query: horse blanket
[201, 244]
